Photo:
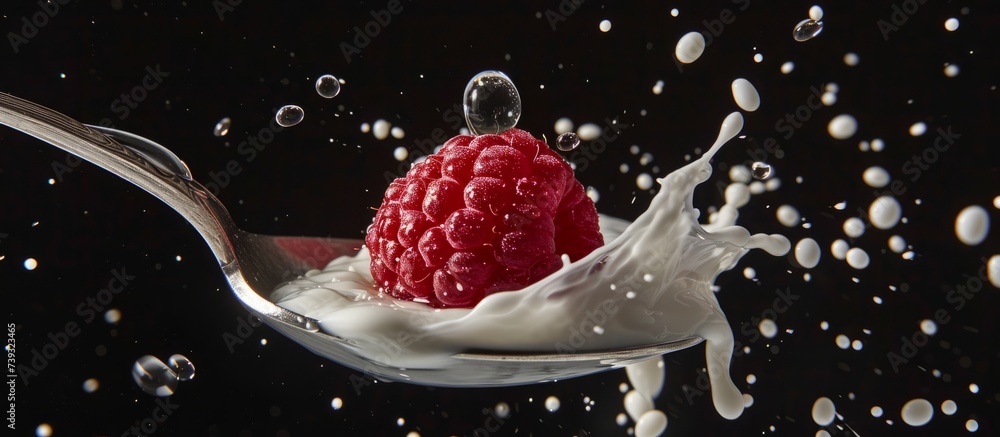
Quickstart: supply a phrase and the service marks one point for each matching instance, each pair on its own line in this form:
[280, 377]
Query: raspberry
[484, 214]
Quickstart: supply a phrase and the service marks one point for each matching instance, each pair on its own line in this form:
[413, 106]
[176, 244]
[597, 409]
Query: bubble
[567, 141]
[972, 225]
[492, 104]
[222, 127]
[552, 404]
[289, 115]
[842, 127]
[605, 26]
[760, 170]
[327, 86]
[154, 377]
[746, 95]
[690, 47]
[917, 412]
[823, 411]
[30, 264]
[182, 367]
[651, 424]
[807, 29]
[951, 24]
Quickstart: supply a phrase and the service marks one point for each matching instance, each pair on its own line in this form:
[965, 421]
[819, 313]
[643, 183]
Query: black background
[322, 177]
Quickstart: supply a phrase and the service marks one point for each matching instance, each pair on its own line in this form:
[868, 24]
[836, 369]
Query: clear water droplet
[760, 170]
[182, 367]
[328, 86]
[492, 104]
[222, 127]
[154, 377]
[567, 141]
[289, 115]
[807, 29]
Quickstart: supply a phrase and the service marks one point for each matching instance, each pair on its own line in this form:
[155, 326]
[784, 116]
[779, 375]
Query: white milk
[650, 284]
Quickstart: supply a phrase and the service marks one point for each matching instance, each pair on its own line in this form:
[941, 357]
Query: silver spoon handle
[164, 179]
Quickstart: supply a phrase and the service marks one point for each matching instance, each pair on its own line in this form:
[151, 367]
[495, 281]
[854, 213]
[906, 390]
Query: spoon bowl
[255, 265]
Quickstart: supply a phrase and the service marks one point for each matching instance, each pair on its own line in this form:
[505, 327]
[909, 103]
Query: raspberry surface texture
[484, 214]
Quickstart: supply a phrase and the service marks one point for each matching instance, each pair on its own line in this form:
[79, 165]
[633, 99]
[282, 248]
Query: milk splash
[651, 283]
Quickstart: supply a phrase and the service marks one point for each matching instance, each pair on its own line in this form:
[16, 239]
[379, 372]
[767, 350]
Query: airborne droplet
[492, 104]
[182, 367]
[222, 127]
[807, 29]
[154, 377]
[289, 115]
[567, 141]
[760, 170]
[327, 86]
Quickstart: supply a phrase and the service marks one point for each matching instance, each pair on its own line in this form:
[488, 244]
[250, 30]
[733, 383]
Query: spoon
[255, 264]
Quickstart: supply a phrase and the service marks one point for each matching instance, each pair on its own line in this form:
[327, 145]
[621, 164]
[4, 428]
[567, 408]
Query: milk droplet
[563, 125]
[182, 367]
[588, 131]
[760, 170]
[971, 425]
[741, 173]
[807, 29]
[605, 26]
[851, 59]
[621, 419]
[749, 273]
[502, 410]
[842, 341]
[842, 127]
[828, 98]
[674, 12]
[854, 227]
[651, 424]
[365, 128]
[397, 132]
[737, 195]
[567, 141]
[787, 67]
[400, 153]
[43, 430]
[758, 58]
[552, 404]
[690, 47]
[644, 181]
[839, 249]
[951, 24]
[113, 316]
[807, 253]
[289, 115]
[658, 87]
[897, 244]
[974, 388]
[949, 407]
[918, 129]
[928, 327]
[327, 86]
[951, 70]
[337, 403]
[857, 258]
[816, 12]
[30, 264]
[746, 95]
[91, 385]
[636, 404]
[154, 377]
[878, 145]
[788, 215]
[381, 129]
[993, 270]
[876, 411]
[875, 177]
[222, 127]
[492, 104]
[823, 411]
[972, 225]
[647, 376]
[767, 328]
[917, 412]
[885, 212]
